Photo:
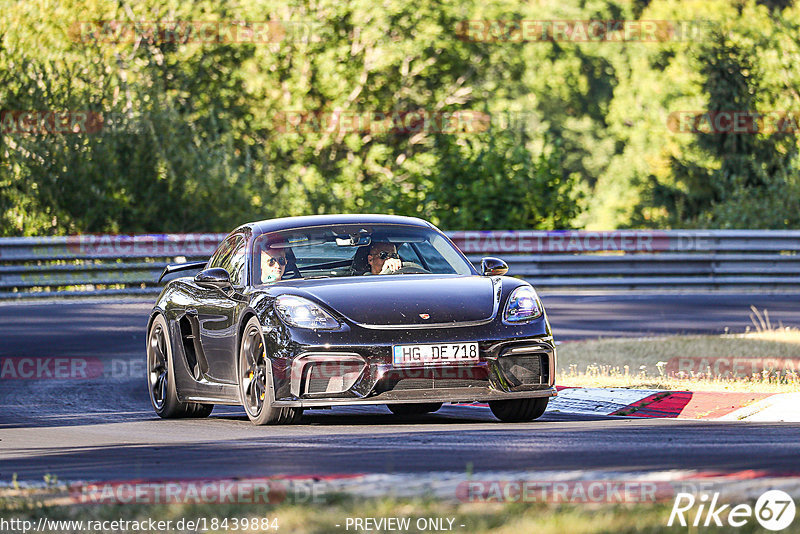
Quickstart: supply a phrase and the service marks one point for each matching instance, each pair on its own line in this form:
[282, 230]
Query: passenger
[383, 258]
[273, 264]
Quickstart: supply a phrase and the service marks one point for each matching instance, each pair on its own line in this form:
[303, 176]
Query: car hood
[396, 300]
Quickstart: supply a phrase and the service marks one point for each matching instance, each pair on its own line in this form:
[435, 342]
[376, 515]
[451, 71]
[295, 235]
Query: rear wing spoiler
[169, 269]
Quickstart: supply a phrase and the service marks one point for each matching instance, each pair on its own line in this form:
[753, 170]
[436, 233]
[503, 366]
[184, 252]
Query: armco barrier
[94, 264]
[107, 264]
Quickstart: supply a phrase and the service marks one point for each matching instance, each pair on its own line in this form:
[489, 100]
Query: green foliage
[752, 181]
[500, 184]
[195, 135]
[196, 141]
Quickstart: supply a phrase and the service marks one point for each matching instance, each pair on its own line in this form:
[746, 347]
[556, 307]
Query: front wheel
[160, 376]
[519, 410]
[254, 381]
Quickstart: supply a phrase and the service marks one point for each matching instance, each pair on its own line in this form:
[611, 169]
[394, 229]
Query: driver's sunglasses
[279, 261]
[384, 255]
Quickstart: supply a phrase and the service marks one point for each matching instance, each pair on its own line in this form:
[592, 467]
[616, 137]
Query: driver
[383, 258]
[273, 264]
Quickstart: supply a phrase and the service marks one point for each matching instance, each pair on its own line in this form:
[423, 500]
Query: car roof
[287, 223]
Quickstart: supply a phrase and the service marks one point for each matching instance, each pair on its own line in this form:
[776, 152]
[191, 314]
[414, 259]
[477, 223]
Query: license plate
[437, 354]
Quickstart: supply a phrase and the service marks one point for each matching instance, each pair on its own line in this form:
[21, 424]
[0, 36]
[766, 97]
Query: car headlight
[303, 313]
[523, 305]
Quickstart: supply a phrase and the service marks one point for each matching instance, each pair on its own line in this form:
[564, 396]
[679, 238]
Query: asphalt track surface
[104, 428]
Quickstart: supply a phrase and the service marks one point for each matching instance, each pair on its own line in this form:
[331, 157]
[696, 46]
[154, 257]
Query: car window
[407, 253]
[322, 253]
[237, 263]
[434, 259]
[231, 256]
[222, 250]
[342, 250]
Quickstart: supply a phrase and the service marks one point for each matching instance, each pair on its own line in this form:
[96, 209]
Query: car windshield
[344, 250]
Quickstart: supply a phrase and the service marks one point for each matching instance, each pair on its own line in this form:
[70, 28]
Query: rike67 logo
[774, 510]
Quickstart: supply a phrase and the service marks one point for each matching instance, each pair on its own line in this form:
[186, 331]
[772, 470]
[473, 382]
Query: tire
[255, 379]
[519, 410]
[414, 409]
[160, 376]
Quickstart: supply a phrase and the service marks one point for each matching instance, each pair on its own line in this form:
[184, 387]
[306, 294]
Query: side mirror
[216, 277]
[493, 267]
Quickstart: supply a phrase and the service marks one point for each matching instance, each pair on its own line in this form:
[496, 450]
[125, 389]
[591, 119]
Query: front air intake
[524, 369]
[331, 378]
[326, 373]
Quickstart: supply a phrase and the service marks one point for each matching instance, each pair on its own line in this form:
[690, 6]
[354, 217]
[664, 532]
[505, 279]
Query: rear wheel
[414, 409]
[518, 410]
[160, 376]
[254, 381]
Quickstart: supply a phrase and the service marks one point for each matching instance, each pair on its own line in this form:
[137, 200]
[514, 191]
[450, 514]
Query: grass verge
[323, 517]
[761, 361]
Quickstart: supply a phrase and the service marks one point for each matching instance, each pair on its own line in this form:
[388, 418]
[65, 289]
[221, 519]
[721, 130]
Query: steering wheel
[409, 267]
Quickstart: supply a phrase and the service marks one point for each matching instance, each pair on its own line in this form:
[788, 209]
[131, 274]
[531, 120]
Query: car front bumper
[318, 370]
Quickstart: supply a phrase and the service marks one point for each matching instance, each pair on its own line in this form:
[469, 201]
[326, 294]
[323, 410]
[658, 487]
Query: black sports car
[313, 312]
